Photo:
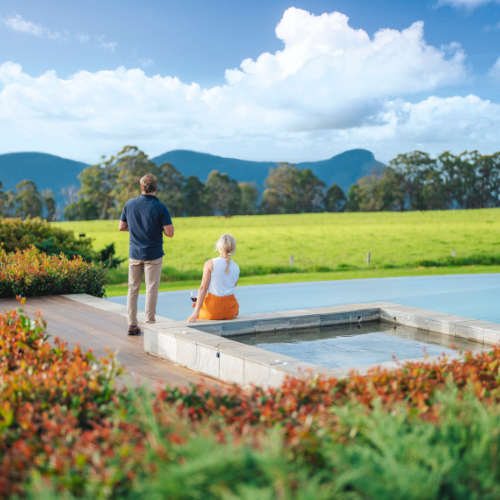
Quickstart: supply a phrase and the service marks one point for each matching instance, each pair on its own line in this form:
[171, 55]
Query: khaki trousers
[136, 270]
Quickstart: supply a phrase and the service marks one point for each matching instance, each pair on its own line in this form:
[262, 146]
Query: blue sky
[82, 79]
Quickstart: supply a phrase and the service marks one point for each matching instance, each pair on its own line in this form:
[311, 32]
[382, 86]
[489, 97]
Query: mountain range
[54, 172]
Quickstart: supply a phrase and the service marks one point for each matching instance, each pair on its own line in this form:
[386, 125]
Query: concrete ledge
[211, 347]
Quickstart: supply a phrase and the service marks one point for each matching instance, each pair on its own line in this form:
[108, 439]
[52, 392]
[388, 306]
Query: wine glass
[194, 297]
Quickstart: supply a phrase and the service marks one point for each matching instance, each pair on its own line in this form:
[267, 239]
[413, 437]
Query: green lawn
[399, 244]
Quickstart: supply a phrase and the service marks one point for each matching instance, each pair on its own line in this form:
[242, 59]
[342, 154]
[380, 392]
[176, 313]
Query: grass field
[325, 246]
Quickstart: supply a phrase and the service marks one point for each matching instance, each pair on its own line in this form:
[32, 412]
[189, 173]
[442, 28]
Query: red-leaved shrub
[32, 273]
[61, 416]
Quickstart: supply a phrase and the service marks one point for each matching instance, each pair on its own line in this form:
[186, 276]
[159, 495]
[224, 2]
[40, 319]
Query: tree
[414, 167]
[353, 199]
[488, 180]
[28, 201]
[129, 165]
[271, 203]
[49, 202]
[222, 194]
[97, 191]
[193, 192]
[82, 210]
[335, 199]
[4, 201]
[290, 190]
[249, 197]
[170, 185]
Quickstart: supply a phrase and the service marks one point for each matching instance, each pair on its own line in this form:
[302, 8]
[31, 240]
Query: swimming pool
[343, 346]
[472, 295]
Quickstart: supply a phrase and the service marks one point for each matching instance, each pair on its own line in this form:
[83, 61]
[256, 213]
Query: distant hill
[344, 169]
[47, 171]
[54, 172]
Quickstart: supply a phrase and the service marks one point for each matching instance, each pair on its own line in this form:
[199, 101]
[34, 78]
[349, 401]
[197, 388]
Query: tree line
[411, 181]
[27, 202]
[107, 186]
[415, 181]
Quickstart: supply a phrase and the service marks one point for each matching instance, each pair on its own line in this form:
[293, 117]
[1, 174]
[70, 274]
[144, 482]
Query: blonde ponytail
[226, 246]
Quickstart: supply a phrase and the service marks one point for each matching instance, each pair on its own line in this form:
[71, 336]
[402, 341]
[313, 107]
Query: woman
[220, 277]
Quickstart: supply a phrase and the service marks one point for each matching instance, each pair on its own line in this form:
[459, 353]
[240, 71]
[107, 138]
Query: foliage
[27, 202]
[320, 242]
[49, 201]
[223, 194]
[415, 181]
[194, 197]
[290, 190]
[19, 234]
[32, 273]
[335, 199]
[249, 197]
[107, 186]
[423, 431]
[53, 404]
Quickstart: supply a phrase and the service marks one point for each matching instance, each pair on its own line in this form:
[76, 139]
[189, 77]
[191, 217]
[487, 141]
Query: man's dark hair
[149, 183]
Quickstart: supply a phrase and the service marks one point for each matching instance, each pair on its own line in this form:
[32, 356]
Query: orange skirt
[214, 307]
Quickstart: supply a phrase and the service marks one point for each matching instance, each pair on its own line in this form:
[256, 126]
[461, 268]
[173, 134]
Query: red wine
[194, 299]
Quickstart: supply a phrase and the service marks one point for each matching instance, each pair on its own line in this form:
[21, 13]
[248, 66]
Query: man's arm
[122, 226]
[169, 230]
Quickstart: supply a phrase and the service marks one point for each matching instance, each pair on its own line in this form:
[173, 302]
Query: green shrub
[32, 273]
[421, 432]
[16, 234]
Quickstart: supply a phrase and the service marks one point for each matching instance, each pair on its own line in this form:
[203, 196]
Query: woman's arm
[202, 292]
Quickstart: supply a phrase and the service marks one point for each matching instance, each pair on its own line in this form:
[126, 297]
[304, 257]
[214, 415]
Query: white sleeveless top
[222, 284]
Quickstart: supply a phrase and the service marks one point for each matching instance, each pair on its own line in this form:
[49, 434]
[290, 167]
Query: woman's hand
[193, 317]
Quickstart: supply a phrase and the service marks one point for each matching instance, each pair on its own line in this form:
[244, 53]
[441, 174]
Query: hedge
[66, 431]
[31, 273]
[18, 234]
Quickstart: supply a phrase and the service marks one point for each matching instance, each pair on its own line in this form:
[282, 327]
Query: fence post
[453, 253]
[291, 260]
[368, 258]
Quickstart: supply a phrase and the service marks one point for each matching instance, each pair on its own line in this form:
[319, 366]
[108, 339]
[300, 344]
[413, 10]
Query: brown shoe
[134, 330]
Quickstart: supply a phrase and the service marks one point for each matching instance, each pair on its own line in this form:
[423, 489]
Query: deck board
[92, 328]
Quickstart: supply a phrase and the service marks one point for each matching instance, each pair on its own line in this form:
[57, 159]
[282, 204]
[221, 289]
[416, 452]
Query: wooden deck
[103, 331]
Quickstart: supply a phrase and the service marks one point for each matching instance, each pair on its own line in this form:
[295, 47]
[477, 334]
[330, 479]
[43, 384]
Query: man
[147, 220]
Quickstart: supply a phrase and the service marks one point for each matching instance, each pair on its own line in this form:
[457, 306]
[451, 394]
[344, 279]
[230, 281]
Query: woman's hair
[226, 246]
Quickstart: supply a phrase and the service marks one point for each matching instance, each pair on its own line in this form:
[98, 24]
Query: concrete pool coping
[205, 346]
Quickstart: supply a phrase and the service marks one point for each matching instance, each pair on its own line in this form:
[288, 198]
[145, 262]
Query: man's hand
[122, 226]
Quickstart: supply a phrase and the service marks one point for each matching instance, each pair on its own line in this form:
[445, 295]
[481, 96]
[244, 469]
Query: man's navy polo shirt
[145, 217]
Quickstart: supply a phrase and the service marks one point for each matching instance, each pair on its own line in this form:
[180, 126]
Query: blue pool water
[473, 295]
[355, 345]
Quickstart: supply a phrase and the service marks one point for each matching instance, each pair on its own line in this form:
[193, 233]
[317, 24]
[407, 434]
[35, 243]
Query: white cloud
[17, 23]
[146, 62]
[82, 37]
[466, 4]
[111, 46]
[331, 88]
[495, 70]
